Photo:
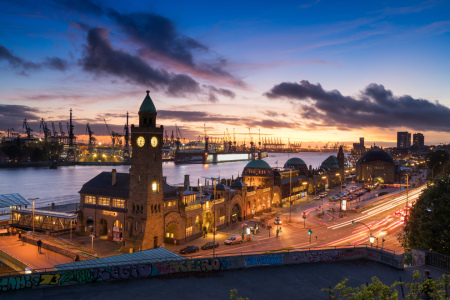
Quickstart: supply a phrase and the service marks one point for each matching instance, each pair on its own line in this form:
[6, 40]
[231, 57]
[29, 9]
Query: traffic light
[304, 215]
[310, 231]
[353, 222]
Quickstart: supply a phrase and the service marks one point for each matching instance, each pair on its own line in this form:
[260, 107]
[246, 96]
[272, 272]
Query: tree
[435, 289]
[435, 158]
[234, 295]
[428, 225]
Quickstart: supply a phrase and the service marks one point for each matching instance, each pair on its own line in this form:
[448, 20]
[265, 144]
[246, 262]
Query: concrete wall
[144, 270]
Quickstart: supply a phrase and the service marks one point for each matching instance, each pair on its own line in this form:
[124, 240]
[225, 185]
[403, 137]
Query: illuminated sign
[109, 213]
[344, 205]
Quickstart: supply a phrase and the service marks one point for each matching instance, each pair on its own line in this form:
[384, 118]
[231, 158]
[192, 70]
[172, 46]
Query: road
[377, 219]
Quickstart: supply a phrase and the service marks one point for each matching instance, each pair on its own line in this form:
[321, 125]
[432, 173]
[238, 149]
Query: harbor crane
[55, 133]
[115, 137]
[251, 141]
[28, 130]
[45, 129]
[92, 139]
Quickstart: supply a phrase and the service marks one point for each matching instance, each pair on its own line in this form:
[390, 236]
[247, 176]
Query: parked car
[322, 195]
[234, 239]
[209, 245]
[277, 221]
[317, 198]
[189, 249]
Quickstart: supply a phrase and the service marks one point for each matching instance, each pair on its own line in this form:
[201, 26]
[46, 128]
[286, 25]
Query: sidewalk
[28, 254]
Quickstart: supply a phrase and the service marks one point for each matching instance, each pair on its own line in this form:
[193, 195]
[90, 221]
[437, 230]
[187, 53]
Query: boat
[202, 156]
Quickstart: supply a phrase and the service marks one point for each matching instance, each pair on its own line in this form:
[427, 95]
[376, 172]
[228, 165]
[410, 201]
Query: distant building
[403, 140]
[359, 148]
[376, 166]
[418, 140]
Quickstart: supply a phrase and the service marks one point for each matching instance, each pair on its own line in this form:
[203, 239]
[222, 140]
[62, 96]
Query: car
[234, 239]
[322, 195]
[277, 221]
[209, 245]
[189, 249]
[317, 198]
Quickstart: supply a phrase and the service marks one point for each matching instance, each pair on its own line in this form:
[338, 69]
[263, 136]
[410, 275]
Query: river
[62, 185]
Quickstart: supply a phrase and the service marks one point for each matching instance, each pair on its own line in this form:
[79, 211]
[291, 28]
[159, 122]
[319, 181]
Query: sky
[312, 71]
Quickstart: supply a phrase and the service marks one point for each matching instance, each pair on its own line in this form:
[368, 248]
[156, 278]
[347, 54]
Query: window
[167, 234]
[89, 199]
[119, 203]
[155, 187]
[189, 231]
[103, 201]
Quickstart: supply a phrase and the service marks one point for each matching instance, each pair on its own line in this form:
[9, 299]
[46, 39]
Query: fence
[438, 260]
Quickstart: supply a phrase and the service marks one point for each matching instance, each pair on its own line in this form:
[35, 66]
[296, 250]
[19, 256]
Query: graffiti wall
[146, 270]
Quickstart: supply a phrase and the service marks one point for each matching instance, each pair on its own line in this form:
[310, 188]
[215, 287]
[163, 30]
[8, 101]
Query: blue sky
[312, 71]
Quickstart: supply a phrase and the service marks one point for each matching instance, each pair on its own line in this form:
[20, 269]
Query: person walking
[39, 244]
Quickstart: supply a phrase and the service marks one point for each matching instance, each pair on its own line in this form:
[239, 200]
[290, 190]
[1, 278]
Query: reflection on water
[63, 184]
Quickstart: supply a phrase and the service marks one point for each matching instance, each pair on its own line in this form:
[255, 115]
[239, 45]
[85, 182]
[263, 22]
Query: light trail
[387, 205]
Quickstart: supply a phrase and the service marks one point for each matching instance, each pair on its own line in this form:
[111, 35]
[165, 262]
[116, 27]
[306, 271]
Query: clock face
[154, 141]
[140, 141]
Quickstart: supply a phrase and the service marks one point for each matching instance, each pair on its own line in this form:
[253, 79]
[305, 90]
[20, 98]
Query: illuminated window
[167, 234]
[170, 203]
[171, 235]
[119, 203]
[103, 201]
[189, 231]
[155, 187]
[90, 199]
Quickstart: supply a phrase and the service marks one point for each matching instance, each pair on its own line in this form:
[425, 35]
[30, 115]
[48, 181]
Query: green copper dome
[295, 161]
[257, 164]
[147, 105]
[331, 160]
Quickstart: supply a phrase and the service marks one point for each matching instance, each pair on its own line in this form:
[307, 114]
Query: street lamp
[371, 237]
[32, 199]
[433, 168]
[340, 198]
[290, 193]
[323, 199]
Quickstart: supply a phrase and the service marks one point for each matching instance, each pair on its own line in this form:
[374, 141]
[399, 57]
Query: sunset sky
[314, 71]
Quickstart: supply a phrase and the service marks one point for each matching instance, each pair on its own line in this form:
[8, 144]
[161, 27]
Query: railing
[438, 260]
[94, 263]
[251, 193]
[266, 190]
[219, 201]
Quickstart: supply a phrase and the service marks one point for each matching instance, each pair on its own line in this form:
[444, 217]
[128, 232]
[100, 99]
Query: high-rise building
[361, 141]
[403, 139]
[418, 140]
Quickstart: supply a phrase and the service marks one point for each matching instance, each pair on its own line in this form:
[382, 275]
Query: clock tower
[144, 228]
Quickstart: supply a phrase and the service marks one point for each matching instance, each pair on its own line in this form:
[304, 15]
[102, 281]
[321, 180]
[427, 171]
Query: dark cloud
[100, 57]
[375, 107]
[199, 116]
[220, 91]
[12, 116]
[23, 66]
[84, 6]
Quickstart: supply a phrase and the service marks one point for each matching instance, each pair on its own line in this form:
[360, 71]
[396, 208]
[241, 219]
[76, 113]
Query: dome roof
[238, 184]
[331, 160]
[257, 164]
[295, 161]
[222, 187]
[147, 105]
[374, 155]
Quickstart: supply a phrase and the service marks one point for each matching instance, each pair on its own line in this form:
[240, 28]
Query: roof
[257, 164]
[331, 160]
[374, 155]
[102, 185]
[47, 213]
[222, 187]
[147, 105]
[8, 200]
[238, 184]
[141, 257]
[295, 161]
[330, 166]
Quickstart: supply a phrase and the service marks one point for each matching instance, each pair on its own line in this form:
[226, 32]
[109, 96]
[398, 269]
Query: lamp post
[340, 198]
[214, 216]
[438, 163]
[323, 199]
[33, 211]
[290, 194]
[371, 237]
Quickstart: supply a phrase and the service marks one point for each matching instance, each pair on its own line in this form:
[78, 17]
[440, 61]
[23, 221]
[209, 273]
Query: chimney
[113, 176]
[165, 179]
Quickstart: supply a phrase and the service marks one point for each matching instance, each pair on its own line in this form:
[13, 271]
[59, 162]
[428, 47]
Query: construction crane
[206, 138]
[28, 130]
[251, 140]
[92, 139]
[70, 131]
[177, 136]
[115, 137]
[234, 141]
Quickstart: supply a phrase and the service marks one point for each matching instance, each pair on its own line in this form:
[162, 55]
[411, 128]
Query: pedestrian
[20, 236]
[77, 258]
[426, 290]
[39, 244]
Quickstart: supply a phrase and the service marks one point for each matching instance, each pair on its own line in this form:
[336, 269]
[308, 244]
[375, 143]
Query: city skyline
[311, 71]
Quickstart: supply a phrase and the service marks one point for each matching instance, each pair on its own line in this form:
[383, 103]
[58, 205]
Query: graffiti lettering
[274, 259]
